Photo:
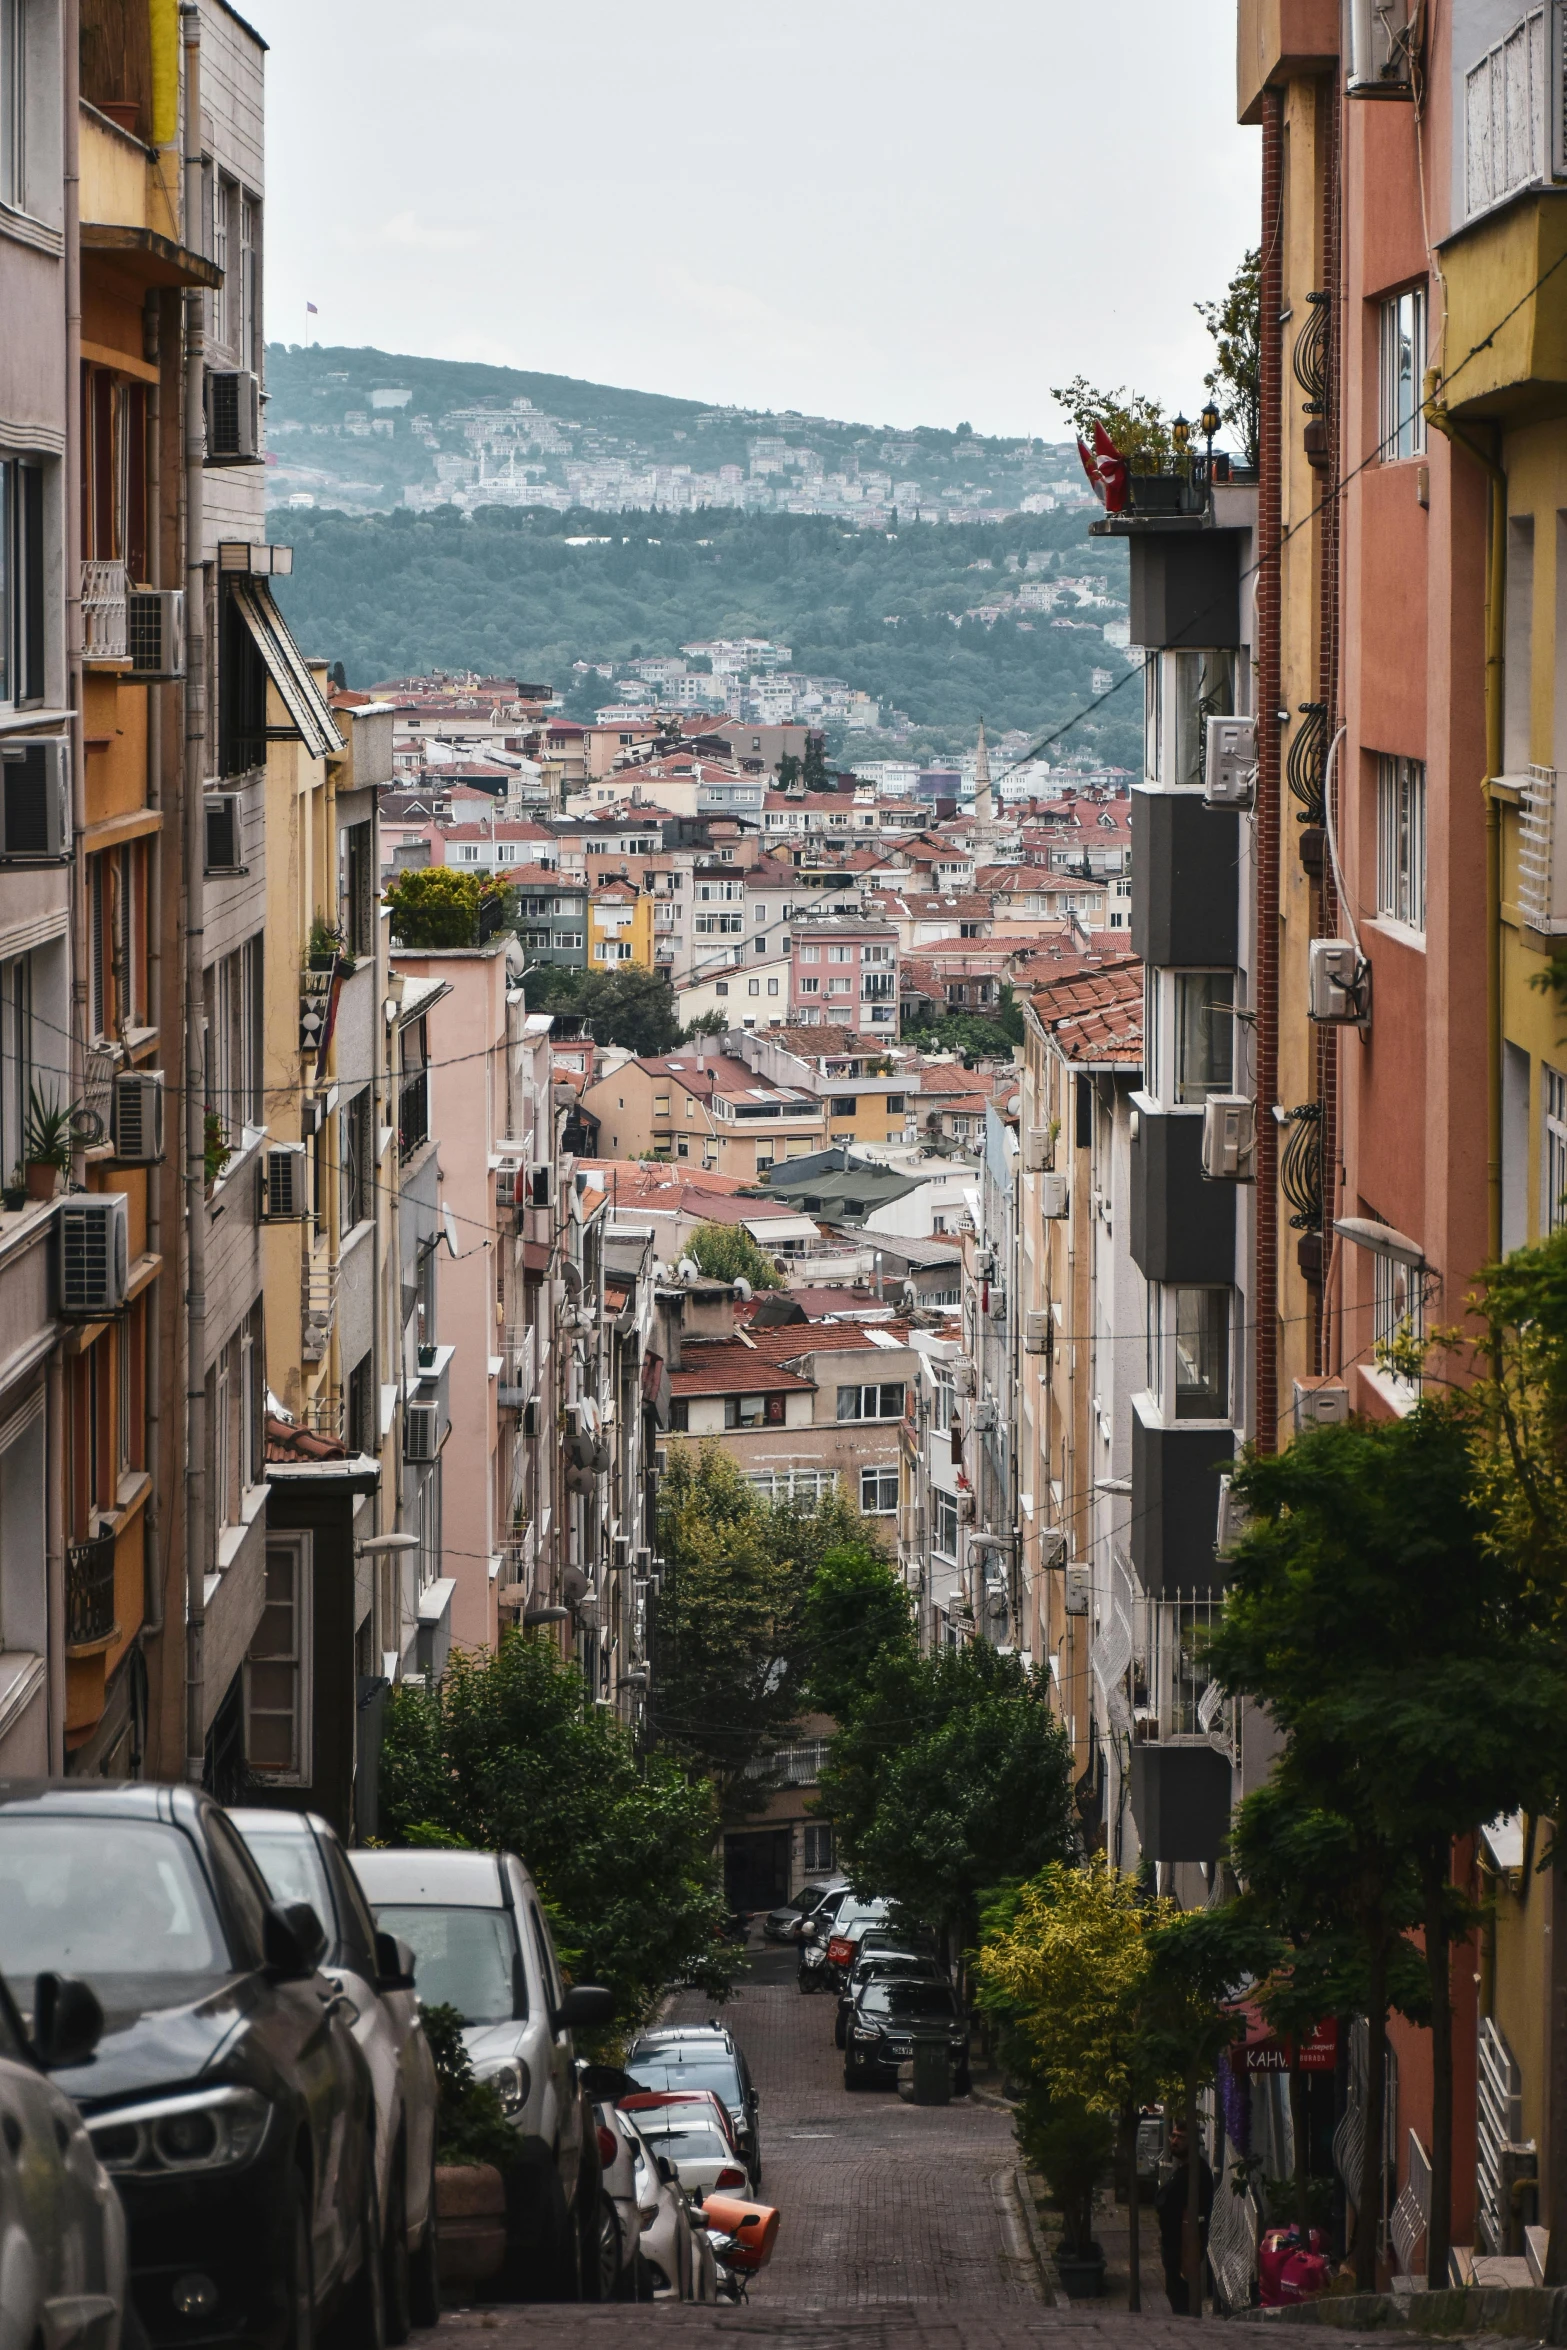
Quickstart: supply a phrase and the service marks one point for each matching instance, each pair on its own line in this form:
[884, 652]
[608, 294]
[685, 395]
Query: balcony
[89, 1593]
[1175, 1501]
[1505, 266]
[1185, 897]
[104, 630]
[1182, 1226]
[1181, 1801]
[319, 1310]
[413, 1115]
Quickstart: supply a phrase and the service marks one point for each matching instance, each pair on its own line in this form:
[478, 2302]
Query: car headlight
[510, 2080]
[207, 2129]
[861, 2032]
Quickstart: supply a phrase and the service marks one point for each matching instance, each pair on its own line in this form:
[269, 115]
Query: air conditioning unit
[1234, 1518]
[1230, 763]
[968, 1509]
[1320, 1403]
[233, 416]
[94, 1252]
[540, 1186]
[421, 1431]
[1036, 1332]
[35, 800]
[982, 1420]
[1339, 983]
[1379, 49]
[1229, 1138]
[961, 1371]
[1079, 1588]
[155, 633]
[136, 1116]
[283, 1198]
[1052, 1545]
[1055, 1197]
[1038, 1147]
[223, 832]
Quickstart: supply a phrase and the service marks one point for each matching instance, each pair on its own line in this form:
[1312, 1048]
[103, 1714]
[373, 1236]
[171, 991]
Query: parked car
[704, 2056]
[694, 2142]
[620, 2276]
[62, 2226]
[889, 2017]
[302, 1859]
[881, 1965]
[783, 1924]
[481, 1945]
[843, 1941]
[227, 2097]
[671, 2249]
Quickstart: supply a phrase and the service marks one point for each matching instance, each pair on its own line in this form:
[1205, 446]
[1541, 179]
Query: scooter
[811, 1973]
[741, 2236]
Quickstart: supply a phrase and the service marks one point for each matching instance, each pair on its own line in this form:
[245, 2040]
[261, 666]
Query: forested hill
[507, 593]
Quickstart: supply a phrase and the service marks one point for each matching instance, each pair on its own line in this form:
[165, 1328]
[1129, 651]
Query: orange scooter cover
[754, 2227]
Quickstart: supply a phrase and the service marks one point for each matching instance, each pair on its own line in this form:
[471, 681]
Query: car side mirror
[293, 1940]
[666, 2169]
[584, 2008]
[67, 2021]
[394, 1964]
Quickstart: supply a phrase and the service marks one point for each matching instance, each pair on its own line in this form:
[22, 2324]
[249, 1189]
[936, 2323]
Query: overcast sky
[899, 214]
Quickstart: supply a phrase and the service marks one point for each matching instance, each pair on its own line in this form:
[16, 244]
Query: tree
[857, 1611]
[790, 771]
[813, 771]
[727, 1252]
[1137, 425]
[507, 1752]
[1064, 1965]
[951, 1774]
[1235, 379]
[1368, 1614]
[630, 1006]
[730, 1658]
[436, 906]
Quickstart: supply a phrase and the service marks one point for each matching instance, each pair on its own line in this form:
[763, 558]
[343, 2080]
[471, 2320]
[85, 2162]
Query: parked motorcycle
[811, 1972]
[741, 2237]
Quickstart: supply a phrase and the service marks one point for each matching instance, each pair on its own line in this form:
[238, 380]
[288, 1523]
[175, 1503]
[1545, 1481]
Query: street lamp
[1181, 434]
[1209, 420]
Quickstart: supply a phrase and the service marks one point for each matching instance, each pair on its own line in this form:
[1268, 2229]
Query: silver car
[62, 2227]
[481, 1946]
[302, 1859]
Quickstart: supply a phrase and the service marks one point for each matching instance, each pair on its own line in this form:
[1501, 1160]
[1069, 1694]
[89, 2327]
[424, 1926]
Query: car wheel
[360, 2321]
[300, 2283]
[601, 2267]
[424, 2275]
[395, 2283]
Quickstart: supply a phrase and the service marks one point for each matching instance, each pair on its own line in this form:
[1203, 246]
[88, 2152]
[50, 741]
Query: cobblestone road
[901, 2225]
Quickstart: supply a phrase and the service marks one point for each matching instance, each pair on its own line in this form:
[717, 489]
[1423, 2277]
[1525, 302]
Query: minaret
[984, 812]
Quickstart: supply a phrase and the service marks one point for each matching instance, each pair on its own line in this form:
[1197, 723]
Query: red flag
[1112, 470]
[1090, 468]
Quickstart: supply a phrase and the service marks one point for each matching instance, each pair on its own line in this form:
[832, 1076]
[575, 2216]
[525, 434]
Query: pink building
[844, 969]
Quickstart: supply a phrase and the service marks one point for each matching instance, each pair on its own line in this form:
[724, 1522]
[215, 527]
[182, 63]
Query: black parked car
[889, 2017]
[703, 2056]
[226, 2097]
[878, 1966]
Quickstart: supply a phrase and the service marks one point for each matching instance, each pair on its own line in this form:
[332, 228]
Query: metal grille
[1306, 761]
[1300, 1167]
[1506, 117]
[320, 1310]
[1497, 2124]
[89, 1590]
[103, 611]
[1538, 847]
[1310, 361]
[1173, 1690]
[1232, 2244]
[1412, 2211]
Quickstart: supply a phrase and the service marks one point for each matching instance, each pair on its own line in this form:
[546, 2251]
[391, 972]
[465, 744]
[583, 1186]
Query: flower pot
[42, 1182]
[321, 962]
[1082, 2275]
[470, 2222]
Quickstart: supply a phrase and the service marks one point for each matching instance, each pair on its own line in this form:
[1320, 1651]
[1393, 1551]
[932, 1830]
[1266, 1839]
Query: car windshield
[466, 1958]
[104, 1898]
[860, 1913]
[683, 2142]
[910, 1999]
[873, 1968]
[667, 2070]
[293, 1868]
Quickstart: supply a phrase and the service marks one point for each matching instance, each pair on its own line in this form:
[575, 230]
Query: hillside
[507, 592]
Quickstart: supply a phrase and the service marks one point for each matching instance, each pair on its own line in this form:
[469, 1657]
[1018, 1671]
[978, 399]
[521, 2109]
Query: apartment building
[845, 972]
[705, 1107]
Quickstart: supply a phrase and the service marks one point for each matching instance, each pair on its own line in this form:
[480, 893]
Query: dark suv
[889, 2017]
[226, 2097]
[703, 2056]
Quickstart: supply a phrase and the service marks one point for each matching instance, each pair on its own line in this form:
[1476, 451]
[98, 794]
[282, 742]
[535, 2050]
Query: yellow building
[620, 927]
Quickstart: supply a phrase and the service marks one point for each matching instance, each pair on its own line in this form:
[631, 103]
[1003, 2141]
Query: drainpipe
[196, 1499]
[152, 1568]
[72, 128]
[1495, 656]
[1269, 530]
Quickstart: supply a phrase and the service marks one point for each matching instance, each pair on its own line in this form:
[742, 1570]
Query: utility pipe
[1265, 1304]
[152, 1333]
[72, 141]
[194, 832]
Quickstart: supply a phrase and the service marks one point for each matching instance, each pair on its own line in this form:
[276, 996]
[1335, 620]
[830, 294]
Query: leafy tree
[1235, 378]
[436, 906]
[857, 1611]
[705, 1024]
[951, 1774]
[730, 1659]
[1064, 1966]
[507, 1752]
[630, 1006]
[813, 771]
[1369, 1615]
[1137, 425]
[727, 1252]
[790, 771]
[978, 1036]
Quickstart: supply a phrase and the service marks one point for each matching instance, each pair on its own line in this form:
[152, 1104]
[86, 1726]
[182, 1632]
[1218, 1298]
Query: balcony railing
[413, 1115]
[320, 1309]
[104, 636]
[89, 1591]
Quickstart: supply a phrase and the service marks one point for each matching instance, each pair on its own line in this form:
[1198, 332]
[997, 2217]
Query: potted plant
[1072, 2147]
[46, 1149]
[475, 2149]
[216, 1152]
[326, 950]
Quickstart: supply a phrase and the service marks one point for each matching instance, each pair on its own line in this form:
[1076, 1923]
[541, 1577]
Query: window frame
[1553, 1149]
[1402, 820]
[1403, 322]
[299, 1658]
[878, 1476]
[849, 1414]
[1164, 1354]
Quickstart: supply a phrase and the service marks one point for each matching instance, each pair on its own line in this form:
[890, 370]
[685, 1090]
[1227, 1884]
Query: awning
[302, 697]
[779, 1230]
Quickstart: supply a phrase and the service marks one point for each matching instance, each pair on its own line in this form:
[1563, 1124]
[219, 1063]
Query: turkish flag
[1112, 470]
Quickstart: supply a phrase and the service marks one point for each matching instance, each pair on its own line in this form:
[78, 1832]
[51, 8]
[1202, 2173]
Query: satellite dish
[689, 1269]
[742, 1288]
[449, 1223]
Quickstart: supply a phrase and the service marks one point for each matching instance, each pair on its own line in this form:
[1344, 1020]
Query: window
[840, 954]
[844, 1105]
[895, 1105]
[772, 987]
[878, 1492]
[818, 1849]
[810, 954]
[810, 987]
[360, 1432]
[1204, 1033]
[13, 106]
[357, 883]
[840, 987]
[21, 575]
[113, 963]
[1189, 1351]
[753, 987]
[1397, 1306]
[871, 1403]
[233, 1039]
[1196, 687]
[720, 987]
[761, 913]
[568, 938]
[249, 336]
[679, 1415]
[753, 1411]
[277, 1669]
[355, 1161]
[1553, 1206]
[1401, 840]
[944, 1525]
[1403, 373]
